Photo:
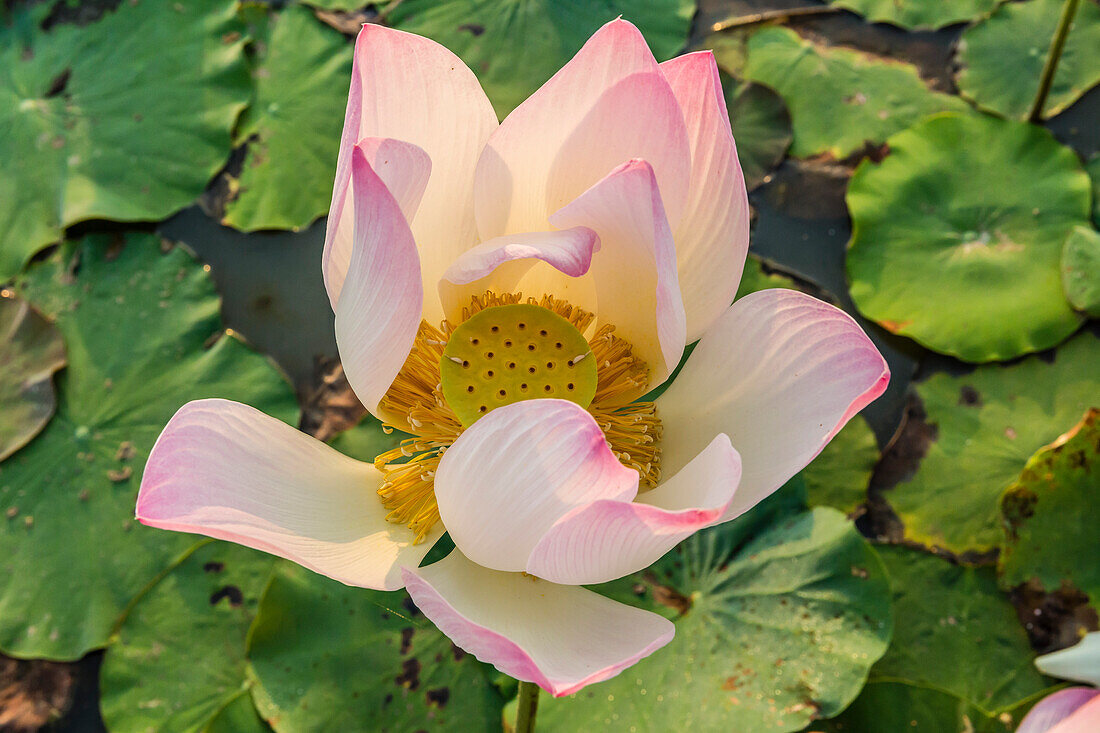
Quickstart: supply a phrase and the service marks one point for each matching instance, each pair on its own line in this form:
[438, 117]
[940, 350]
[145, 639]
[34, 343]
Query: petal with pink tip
[608, 539]
[712, 237]
[1080, 662]
[779, 373]
[560, 637]
[378, 312]
[410, 88]
[1085, 719]
[404, 169]
[1055, 708]
[500, 263]
[634, 273]
[229, 471]
[609, 104]
[516, 471]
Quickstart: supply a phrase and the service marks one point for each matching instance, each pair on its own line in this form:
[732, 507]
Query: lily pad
[196, 618]
[514, 48]
[1001, 58]
[840, 99]
[144, 337]
[900, 706]
[956, 632]
[1081, 270]
[987, 425]
[761, 127]
[326, 657]
[124, 119]
[769, 636]
[840, 474]
[758, 275]
[31, 350]
[292, 128]
[918, 14]
[1052, 513]
[964, 269]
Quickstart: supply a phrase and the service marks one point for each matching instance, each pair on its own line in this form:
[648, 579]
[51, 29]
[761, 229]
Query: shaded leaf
[919, 14]
[31, 350]
[761, 128]
[900, 706]
[840, 474]
[1081, 270]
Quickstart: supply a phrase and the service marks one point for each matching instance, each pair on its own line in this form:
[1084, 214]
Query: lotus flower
[1073, 709]
[569, 254]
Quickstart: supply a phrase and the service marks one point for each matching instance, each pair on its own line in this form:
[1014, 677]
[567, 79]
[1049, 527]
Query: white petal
[1080, 662]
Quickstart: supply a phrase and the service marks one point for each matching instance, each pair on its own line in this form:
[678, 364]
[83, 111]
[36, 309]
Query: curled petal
[229, 471]
[560, 637]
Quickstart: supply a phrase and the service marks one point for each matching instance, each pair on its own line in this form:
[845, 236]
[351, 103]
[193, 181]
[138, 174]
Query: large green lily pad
[772, 634]
[293, 125]
[956, 632]
[144, 337]
[326, 657]
[761, 127]
[31, 350]
[1001, 58]
[177, 661]
[957, 236]
[840, 474]
[900, 706]
[987, 425]
[919, 14]
[125, 119]
[1051, 513]
[515, 47]
[840, 99]
[1081, 270]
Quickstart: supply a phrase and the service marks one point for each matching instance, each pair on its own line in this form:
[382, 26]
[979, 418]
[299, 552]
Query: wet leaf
[839, 99]
[761, 128]
[777, 632]
[195, 619]
[31, 350]
[1051, 513]
[124, 119]
[919, 14]
[514, 48]
[1081, 270]
[987, 424]
[144, 337]
[293, 126]
[839, 476]
[326, 656]
[964, 269]
[1001, 58]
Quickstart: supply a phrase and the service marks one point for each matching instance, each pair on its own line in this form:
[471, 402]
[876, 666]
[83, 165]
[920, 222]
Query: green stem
[1057, 44]
[528, 707]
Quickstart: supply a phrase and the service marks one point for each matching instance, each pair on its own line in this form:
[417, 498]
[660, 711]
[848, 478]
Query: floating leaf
[125, 119]
[956, 632]
[142, 331]
[839, 476]
[918, 14]
[761, 127]
[1093, 167]
[31, 350]
[1081, 270]
[1001, 58]
[759, 276]
[195, 618]
[967, 270]
[772, 635]
[239, 716]
[900, 706]
[514, 48]
[326, 656]
[987, 424]
[1052, 513]
[293, 126]
[840, 99]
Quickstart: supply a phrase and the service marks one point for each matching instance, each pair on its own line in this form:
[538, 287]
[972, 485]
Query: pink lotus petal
[378, 312]
[560, 637]
[500, 264]
[1056, 707]
[712, 237]
[410, 88]
[516, 471]
[779, 373]
[634, 272]
[609, 104]
[229, 471]
[404, 169]
[1085, 719]
[1080, 662]
[608, 539]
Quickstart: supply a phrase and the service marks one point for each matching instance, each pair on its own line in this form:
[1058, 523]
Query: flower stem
[528, 707]
[1057, 44]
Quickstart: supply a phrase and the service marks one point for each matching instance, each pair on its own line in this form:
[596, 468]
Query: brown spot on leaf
[406, 639]
[214, 567]
[438, 697]
[34, 693]
[120, 475]
[969, 397]
[473, 29]
[457, 653]
[232, 592]
[125, 451]
[410, 674]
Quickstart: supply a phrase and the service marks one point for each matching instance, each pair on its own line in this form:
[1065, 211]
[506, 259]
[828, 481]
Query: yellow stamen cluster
[632, 430]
